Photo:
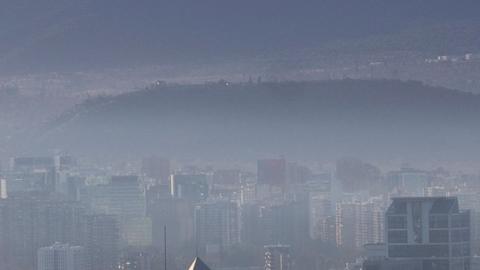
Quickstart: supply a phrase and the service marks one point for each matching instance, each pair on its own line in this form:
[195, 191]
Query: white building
[61, 257]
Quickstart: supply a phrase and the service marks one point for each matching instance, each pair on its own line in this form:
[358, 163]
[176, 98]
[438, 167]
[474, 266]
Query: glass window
[456, 236]
[466, 235]
[435, 265]
[461, 250]
[418, 251]
[398, 207]
[460, 235]
[397, 222]
[438, 236]
[438, 221]
[462, 220]
[397, 236]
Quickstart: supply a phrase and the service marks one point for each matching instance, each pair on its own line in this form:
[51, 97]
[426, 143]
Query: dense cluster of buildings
[59, 214]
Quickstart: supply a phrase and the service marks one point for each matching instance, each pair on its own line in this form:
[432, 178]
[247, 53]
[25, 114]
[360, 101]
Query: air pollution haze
[239, 135]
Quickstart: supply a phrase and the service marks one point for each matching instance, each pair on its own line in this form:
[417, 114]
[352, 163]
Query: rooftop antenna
[165, 246]
[196, 244]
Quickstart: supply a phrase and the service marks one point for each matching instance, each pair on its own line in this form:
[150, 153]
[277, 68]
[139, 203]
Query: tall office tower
[31, 174]
[139, 259]
[61, 257]
[250, 231]
[277, 257]
[177, 215]
[272, 172]
[101, 239]
[31, 163]
[3, 189]
[155, 193]
[217, 225]
[469, 199]
[321, 208]
[378, 229]
[355, 175]
[435, 191]
[346, 224]
[63, 162]
[408, 182]
[69, 185]
[427, 233]
[286, 223]
[28, 224]
[191, 187]
[358, 223]
[156, 168]
[227, 178]
[297, 174]
[248, 189]
[326, 230]
[125, 198]
[370, 224]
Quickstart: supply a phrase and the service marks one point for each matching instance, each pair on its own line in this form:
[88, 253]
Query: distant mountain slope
[379, 119]
[79, 34]
[438, 39]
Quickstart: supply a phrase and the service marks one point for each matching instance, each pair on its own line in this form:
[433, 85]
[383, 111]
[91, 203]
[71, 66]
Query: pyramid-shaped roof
[198, 264]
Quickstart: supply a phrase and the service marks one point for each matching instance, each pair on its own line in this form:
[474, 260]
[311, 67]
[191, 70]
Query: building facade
[428, 233]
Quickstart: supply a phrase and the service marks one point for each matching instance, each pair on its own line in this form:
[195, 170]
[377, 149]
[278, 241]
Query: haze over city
[239, 135]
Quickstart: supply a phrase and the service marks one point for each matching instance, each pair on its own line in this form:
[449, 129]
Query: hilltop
[379, 119]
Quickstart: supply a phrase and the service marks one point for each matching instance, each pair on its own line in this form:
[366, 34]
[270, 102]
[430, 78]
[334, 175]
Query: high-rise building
[31, 174]
[28, 224]
[3, 189]
[177, 215]
[217, 225]
[320, 207]
[408, 182]
[428, 233]
[191, 187]
[297, 174]
[124, 197]
[326, 230]
[61, 257]
[358, 223]
[355, 175]
[248, 189]
[227, 177]
[38, 173]
[156, 168]
[272, 172]
[31, 163]
[346, 224]
[286, 223]
[277, 257]
[469, 199]
[138, 259]
[101, 239]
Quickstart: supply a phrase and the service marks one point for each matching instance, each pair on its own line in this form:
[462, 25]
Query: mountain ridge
[55, 35]
[349, 117]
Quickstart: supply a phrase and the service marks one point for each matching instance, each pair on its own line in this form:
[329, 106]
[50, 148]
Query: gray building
[427, 233]
[191, 187]
[124, 197]
[217, 225]
[101, 240]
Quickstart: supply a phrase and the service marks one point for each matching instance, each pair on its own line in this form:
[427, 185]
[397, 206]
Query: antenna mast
[165, 246]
